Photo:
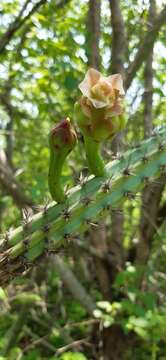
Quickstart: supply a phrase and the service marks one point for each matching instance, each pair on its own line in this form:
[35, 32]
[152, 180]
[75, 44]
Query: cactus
[50, 229]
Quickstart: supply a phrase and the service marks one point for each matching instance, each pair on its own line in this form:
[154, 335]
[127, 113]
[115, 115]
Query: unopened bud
[63, 136]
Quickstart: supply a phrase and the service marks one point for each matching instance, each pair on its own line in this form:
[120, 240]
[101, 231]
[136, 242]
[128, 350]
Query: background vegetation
[117, 266]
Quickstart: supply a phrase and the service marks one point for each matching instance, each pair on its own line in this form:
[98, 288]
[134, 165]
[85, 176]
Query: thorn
[27, 214]
[106, 185]
[66, 214]
[127, 172]
[27, 217]
[45, 208]
[42, 208]
[145, 159]
[26, 243]
[86, 200]
[82, 179]
[37, 208]
[66, 189]
[46, 239]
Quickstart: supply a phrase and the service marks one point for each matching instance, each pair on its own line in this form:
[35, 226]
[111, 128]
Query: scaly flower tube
[62, 140]
[99, 114]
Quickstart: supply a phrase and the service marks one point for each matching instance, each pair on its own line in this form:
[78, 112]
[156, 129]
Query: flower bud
[63, 136]
[62, 140]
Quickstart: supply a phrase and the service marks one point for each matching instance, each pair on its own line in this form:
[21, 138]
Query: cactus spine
[48, 230]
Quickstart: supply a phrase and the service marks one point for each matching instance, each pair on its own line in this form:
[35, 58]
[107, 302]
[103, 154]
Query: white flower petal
[117, 83]
[91, 78]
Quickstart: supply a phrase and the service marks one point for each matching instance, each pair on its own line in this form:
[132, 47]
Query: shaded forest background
[103, 296]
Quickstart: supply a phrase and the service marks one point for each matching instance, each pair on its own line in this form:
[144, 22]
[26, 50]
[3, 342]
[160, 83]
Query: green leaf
[105, 305]
[2, 294]
[138, 322]
[73, 356]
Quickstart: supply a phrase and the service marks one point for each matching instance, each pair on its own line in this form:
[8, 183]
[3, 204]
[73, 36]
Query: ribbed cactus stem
[50, 229]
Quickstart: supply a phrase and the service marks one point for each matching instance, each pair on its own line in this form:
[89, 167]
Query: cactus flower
[102, 91]
[99, 114]
[99, 111]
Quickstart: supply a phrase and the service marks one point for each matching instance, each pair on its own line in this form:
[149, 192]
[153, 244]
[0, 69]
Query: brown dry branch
[11, 185]
[73, 285]
[118, 51]
[93, 54]
[93, 33]
[119, 42]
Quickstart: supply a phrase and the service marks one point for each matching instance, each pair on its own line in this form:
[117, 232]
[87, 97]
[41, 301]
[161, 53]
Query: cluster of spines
[57, 224]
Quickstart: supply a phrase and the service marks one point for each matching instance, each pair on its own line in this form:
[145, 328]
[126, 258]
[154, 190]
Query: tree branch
[18, 23]
[145, 47]
[73, 285]
[93, 33]
[10, 184]
[148, 79]
[119, 42]
[148, 221]
[97, 236]
[14, 332]
[118, 51]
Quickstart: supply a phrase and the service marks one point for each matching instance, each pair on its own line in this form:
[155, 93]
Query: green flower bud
[62, 140]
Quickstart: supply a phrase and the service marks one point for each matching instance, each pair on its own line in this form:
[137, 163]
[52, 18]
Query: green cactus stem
[50, 229]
